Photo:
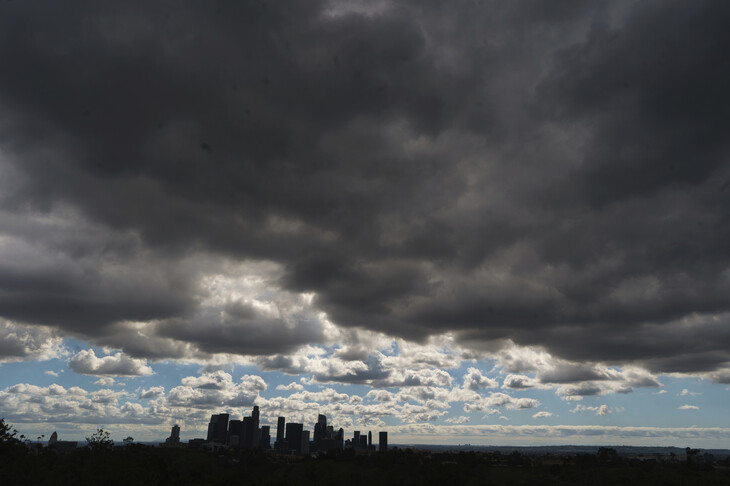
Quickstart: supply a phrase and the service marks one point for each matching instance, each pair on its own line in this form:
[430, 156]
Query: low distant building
[196, 443]
[62, 446]
[174, 438]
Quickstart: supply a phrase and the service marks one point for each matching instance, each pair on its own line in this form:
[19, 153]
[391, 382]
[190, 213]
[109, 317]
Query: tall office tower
[235, 432]
[280, 422]
[383, 441]
[356, 439]
[265, 441]
[370, 438]
[294, 437]
[341, 439]
[364, 442]
[218, 428]
[248, 437]
[304, 449]
[320, 429]
[174, 435]
[255, 415]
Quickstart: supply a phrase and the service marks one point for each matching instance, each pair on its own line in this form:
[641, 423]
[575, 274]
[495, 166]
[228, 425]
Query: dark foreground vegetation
[132, 464]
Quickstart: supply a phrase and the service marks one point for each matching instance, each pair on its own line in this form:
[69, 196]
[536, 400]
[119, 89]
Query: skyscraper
[265, 441]
[370, 439]
[248, 438]
[383, 441]
[294, 437]
[340, 439]
[255, 415]
[218, 428]
[304, 448]
[235, 432]
[174, 435]
[280, 423]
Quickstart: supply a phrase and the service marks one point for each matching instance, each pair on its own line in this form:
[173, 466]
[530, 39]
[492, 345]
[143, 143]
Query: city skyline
[466, 222]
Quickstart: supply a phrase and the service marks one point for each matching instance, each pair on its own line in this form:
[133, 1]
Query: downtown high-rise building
[218, 428]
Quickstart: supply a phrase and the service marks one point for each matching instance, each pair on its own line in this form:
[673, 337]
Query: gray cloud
[554, 176]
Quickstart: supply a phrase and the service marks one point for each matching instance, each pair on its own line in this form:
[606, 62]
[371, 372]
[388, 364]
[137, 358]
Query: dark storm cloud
[553, 173]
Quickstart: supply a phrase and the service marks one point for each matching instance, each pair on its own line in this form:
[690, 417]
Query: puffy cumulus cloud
[474, 380]
[688, 407]
[599, 410]
[414, 367]
[216, 390]
[463, 419]
[409, 413]
[291, 386]
[520, 382]
[410, 377]
[571, 380]
[326, 395]
[105, 381]
[500, 400]
[189, 404]
[152, 392]
[23, 342]
[86, 362]
[56, 404]
[685, 392]
[542, 414]
[358, 167]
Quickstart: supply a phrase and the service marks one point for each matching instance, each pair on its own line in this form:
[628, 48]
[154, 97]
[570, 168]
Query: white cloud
[600, 410]
[20, 342]
[685, 392]
[688, 407]
[291, 386]
[520, 382]
[105, 381]
[500, 400]
[86, 362]
[152, 392]
[542, 415]
[51, 373]
[475, 380]
[457, 420]
[216, 389]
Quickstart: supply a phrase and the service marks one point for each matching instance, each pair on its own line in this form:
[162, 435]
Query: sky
[482, 222]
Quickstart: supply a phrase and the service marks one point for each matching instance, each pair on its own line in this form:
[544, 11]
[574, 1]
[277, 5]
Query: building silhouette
[293, 438]
[265, 440]
[174, 435]
[62, 446]
[383, 441]
[218, 428]
[279, 444]
[235, 432]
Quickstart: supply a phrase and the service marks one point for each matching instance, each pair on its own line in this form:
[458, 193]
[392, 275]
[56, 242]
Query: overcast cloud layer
[248, 179]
